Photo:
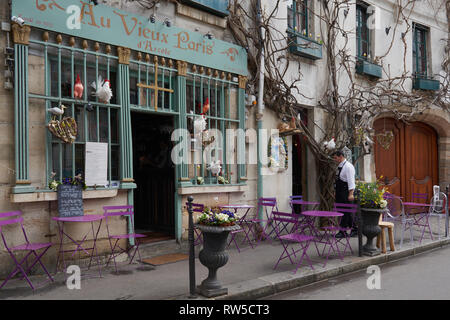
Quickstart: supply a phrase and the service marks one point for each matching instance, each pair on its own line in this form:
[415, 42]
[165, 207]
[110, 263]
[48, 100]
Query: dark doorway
[154, 197]
[297, 164]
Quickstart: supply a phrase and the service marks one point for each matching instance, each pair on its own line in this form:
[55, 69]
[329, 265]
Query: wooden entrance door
[408, 164]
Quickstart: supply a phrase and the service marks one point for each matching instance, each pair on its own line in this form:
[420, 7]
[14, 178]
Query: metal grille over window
[74, 70]
[212, 101]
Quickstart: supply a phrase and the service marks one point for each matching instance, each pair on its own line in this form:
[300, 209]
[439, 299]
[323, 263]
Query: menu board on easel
[96, 164]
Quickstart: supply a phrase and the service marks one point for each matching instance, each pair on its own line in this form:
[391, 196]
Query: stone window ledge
[212, 189]
[52, 196]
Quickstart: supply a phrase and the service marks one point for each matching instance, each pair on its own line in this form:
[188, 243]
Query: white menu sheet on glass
[96, 165]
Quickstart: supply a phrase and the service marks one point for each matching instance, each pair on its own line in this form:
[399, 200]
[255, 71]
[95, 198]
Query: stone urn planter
[214, 256]
[370, 228]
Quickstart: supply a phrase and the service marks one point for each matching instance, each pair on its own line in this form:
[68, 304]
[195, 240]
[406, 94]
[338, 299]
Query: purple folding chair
[114, 211]
[345, 208]
[267, 205]
[291, 240]
[197, 207]
[30, 248]
[293, 206]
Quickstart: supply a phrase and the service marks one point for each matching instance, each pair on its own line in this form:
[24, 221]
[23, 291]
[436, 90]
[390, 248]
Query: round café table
[79, 243]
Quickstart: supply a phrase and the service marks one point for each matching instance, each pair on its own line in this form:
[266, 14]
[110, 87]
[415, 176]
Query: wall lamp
[167, 22]
[208, 35]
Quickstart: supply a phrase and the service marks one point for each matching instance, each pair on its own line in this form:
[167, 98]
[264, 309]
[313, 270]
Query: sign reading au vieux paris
[112, 26]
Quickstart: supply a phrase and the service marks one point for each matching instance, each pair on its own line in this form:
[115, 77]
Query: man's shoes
[354, 233]
[340, 235]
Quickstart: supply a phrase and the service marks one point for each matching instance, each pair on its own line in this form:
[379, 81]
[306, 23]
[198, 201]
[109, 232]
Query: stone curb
[282, 281]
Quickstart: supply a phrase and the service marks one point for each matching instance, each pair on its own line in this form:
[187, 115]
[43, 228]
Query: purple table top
[416, 204]
[238, 206]
[322, 214]
[304, 202]
[88, 218]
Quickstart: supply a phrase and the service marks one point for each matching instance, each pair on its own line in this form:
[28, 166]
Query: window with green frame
[299, 17]
[222, 97]
[420, 63]
[363, 45]
[96, 121]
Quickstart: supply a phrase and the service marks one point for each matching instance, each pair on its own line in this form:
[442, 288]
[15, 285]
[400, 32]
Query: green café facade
[162, 78]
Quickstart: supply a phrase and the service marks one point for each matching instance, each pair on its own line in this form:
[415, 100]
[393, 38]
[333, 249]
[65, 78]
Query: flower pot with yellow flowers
[372, 204]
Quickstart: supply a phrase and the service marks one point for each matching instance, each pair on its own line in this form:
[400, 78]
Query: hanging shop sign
[116, 27]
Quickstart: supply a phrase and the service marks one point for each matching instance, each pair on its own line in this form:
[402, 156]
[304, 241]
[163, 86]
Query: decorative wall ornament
[385, 139]
[278, 152]
[66, 129]
[124, 55]
[21, 34]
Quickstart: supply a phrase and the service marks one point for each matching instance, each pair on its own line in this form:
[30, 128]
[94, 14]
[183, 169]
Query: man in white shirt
[344, 187]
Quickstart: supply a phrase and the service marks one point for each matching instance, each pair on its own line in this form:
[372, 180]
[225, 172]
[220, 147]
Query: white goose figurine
[57, 111]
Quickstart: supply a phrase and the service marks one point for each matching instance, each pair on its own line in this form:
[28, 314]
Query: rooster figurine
[330, 145]
[206, 106]
[78, 88]
[102, 90]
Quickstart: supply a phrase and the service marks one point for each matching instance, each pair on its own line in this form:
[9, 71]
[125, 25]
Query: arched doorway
[406, 156]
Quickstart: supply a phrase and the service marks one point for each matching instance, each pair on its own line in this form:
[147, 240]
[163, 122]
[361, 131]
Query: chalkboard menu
[70, 200]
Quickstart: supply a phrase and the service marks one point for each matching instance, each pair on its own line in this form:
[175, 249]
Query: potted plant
[372, 204]
[215, 225]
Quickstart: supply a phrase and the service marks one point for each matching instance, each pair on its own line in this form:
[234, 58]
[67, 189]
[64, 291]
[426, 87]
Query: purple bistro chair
[31, 249]
[114, 211]
[267, 205]
[291, 198]
[344, 208]
[197, 207]
[288, 241]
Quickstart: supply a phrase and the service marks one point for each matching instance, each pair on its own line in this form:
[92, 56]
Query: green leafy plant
[370, 195]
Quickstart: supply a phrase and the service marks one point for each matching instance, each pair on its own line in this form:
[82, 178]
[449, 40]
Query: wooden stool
[381, 238]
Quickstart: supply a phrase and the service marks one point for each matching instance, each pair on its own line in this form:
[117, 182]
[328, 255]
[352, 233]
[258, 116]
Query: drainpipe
[259, 115]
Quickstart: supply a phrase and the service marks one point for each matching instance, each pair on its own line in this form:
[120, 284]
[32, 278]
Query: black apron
[341, 187]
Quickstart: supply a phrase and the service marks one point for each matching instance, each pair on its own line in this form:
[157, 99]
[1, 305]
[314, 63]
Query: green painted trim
[21, 105]
[241, 136]
[126, 148]
[180, 96]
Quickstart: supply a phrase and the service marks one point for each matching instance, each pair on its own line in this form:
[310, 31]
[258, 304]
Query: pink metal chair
[114, 211]
[290, 240]
[31, 249]
[197, 207]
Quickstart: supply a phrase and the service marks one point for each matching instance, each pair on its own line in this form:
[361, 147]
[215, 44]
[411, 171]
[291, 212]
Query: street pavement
[249, 274]
[423, 277]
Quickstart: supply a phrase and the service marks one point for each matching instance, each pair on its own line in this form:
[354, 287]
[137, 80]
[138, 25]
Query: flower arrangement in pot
[215, 225]
[370, 196]
[75, 181]
[217, 217]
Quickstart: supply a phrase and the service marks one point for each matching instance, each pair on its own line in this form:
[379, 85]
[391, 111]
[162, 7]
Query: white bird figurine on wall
[330, 145]
[57, 111]
[214, 167]
[102, 89]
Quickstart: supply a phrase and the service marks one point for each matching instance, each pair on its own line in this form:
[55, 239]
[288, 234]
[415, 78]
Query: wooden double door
[406, 159]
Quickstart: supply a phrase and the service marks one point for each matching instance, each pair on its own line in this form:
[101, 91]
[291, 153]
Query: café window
[95, 120]
[216, 101]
